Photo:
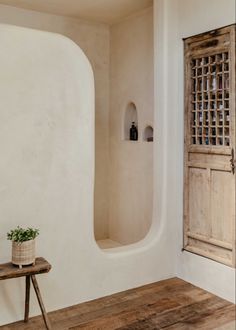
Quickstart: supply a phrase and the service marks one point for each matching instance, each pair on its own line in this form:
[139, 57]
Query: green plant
[21, 235]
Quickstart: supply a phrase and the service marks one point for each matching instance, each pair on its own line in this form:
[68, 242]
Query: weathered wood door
[209, 190]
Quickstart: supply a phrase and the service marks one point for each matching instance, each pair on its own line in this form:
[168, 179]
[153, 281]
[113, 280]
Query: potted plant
[23, 245]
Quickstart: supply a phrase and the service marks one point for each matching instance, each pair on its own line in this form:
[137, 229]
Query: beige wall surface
[130, 77]
[93, 38]
[131, 181]
[46, 173]
[46, 177]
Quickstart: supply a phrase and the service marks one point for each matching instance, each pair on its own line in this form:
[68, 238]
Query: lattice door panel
[209, 164]
[210, 120]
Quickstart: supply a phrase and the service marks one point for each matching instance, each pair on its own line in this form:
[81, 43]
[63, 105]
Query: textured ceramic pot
[23, 253]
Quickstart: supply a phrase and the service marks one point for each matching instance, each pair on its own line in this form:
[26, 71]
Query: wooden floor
[171, 304]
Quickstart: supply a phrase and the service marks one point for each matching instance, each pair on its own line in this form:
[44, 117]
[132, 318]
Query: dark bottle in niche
[133, 132]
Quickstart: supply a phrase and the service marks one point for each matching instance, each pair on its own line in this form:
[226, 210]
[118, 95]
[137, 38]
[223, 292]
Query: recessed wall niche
[148, 134]
[131, 115]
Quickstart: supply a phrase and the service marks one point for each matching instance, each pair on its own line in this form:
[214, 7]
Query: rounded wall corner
[61, 38]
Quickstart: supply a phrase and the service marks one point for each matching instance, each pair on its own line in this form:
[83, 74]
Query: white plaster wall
[113, 216]
[46, 172]
[94, 39]
[176, 19]
[46, 178]
[132, 80]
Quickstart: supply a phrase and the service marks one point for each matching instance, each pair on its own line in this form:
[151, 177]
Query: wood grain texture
[8, 270]
[209, 178]
[169, 304]
[27, 298]
[40, 301]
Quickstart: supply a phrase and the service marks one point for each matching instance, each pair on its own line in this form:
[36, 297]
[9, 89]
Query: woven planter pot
[23, 253]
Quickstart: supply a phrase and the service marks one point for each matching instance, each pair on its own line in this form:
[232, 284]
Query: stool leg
[27, 297]
[40, 301]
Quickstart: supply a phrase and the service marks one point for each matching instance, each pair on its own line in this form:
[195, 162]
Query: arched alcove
[131, 115]
[148, 134]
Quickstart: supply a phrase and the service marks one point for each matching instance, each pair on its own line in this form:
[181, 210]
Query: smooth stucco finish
[46, 172]
[131, 172]
[106, 11]
[94, 40]
[46, 178]
[115, 217]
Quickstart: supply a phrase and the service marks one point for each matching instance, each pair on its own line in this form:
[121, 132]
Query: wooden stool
[8, 271]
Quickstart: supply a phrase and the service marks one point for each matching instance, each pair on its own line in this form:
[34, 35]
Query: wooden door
[209, 189]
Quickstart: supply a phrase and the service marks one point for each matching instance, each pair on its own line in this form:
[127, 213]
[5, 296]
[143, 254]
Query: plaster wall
[94, 40]
[47, 178]
[118, 165]
[132, 80]
[176, 19]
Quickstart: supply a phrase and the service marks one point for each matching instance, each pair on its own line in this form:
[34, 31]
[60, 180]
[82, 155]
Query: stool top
[8, 270]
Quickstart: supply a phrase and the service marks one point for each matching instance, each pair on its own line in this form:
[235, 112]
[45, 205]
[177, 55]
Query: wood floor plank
[218, 318]
[122, 318]
[126, 303]
[129, 295]
[202, 308]
[170, 304]
[77, 312]
[180, 314]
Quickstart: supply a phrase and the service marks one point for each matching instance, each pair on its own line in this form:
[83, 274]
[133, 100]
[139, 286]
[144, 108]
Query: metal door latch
[232, 161]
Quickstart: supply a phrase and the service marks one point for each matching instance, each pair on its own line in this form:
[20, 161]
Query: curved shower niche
[130, 201]
[124, 216]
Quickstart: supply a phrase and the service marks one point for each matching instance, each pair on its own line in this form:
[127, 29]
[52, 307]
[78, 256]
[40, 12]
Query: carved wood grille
[210, 114]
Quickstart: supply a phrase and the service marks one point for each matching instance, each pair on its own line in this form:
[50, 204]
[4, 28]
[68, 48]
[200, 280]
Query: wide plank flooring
[170, 304]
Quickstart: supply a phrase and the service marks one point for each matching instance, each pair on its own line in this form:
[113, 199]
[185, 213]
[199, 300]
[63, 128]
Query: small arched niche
[148, 134]
[131, 115]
